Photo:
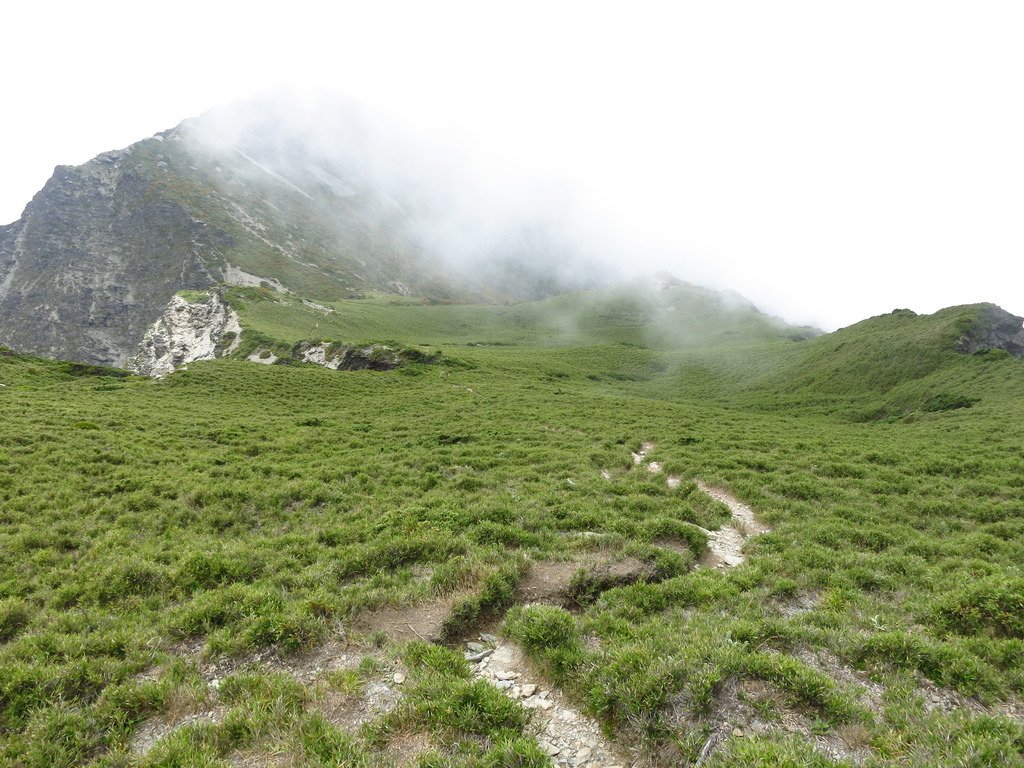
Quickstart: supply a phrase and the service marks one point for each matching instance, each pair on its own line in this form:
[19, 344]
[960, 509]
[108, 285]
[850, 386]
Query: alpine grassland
[244, 564]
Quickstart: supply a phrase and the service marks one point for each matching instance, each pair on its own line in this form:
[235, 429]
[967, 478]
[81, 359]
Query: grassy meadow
[245, 516]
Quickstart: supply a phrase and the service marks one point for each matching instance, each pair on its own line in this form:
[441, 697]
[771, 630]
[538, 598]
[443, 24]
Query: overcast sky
[829, 160]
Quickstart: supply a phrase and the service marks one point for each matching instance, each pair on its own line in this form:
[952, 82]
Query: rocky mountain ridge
[234, 198]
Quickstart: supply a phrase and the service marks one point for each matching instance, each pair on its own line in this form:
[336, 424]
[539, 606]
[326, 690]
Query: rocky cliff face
[190, 329]
[94, 257]
[995, 329]
[103, 247]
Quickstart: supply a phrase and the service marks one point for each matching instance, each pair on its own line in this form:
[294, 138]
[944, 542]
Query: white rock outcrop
[377, 357]
[186, 332]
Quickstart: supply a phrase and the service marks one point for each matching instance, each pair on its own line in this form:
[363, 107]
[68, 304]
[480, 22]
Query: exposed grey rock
[996, 329]
[263, 357]
[235, 276]
[340, 357]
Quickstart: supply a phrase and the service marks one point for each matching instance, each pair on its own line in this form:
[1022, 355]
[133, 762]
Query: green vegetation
[681, 316]
[194, 297]
[245, 515]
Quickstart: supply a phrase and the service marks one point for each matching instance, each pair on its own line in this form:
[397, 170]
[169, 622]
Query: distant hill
[882, 352]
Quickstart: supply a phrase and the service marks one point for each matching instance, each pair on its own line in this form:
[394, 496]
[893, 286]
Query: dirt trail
[741, 513]
[569, 737]
[725, 546]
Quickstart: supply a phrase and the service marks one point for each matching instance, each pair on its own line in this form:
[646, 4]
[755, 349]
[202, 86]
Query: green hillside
[878, 354]
[220, 567]
[675, 316]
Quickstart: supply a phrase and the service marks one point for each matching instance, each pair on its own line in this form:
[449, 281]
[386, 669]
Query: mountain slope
[243, 196]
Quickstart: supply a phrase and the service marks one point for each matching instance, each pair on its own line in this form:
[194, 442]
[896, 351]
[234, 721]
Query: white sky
[830, 160]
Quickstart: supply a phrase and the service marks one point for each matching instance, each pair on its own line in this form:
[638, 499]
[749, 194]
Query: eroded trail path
[725, 545]
[741, 513]
[570, 738]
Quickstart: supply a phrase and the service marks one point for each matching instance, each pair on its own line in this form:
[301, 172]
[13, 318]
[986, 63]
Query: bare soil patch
[566, 582]
[405, 748]
[947, 701]
[334, 653]
[157, 728]
[803, 602]
[422, 621]
[263, 759]
[348, 711]
[869, 693]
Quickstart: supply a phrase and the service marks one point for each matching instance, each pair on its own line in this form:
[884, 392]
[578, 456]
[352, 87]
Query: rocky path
[570, 738]
[725, 546]
[742, 514]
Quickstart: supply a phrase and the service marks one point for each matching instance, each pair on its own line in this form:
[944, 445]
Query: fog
[827, 161]
[368, 176]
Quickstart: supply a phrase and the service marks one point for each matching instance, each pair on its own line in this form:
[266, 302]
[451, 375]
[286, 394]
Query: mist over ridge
[315, 196]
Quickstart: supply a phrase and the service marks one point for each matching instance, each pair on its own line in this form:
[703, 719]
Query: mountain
[325, 202]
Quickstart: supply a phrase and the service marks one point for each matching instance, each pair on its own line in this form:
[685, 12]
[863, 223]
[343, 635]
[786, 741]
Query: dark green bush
[946, 402]
[993, 606]
[14, 617]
